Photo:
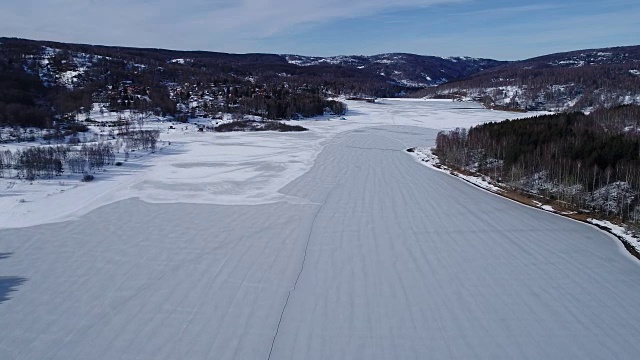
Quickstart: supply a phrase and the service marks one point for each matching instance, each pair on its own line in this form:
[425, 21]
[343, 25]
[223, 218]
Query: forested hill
[590, 162]
[407, 69]
[43, 81]
[399, 69]
[571, 81]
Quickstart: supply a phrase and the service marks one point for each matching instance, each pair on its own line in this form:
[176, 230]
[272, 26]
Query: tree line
[580, 80]
[287, 105]
[590, 162]
[49, 161]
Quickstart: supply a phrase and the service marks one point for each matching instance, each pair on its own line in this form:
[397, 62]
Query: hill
[407, 69]
[46, 82]
[570, 81]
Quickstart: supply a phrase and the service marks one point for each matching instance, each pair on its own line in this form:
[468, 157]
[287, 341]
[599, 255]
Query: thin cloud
[475, 28]
[513, 10]
[188, 23]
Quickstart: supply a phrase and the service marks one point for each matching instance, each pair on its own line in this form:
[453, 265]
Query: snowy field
[327, 244]
[218, 168]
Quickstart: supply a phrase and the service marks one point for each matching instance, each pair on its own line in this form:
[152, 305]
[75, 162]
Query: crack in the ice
[304, 259]
[369, 148]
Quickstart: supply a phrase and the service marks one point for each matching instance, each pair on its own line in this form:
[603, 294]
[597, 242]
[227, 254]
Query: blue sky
[505, 30]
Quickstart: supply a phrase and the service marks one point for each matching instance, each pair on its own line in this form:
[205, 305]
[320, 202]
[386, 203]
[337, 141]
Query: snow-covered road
[379, 258]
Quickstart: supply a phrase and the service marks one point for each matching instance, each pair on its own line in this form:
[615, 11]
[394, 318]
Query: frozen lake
[366, 255]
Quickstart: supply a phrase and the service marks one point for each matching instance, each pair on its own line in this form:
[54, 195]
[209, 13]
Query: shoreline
[431, 161]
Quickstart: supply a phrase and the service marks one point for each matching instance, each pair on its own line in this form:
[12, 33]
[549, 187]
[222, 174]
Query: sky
[503, 30]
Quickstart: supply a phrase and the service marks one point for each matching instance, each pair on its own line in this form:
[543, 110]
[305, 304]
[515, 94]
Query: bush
[233, 126]
[279, 126]
[248, 125]
[76, 128]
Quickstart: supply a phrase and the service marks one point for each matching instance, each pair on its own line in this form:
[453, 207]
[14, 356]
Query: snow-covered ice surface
[228, 168]
[426, 157]
[363, 254]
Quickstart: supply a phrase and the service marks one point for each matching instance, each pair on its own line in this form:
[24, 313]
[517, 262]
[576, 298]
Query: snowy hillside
[407, 69]
[578, 80]
[57, 67]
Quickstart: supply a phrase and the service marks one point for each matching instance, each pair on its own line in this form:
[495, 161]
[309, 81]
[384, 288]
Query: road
[380, 258]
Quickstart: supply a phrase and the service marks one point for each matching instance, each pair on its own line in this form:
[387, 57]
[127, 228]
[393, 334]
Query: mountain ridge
[579, 80]
[407, 70]
[51, 80]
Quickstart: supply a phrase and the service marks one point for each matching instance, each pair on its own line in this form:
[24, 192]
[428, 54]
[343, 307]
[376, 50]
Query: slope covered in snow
[407, 69]
[57, 67]
[570, 81]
